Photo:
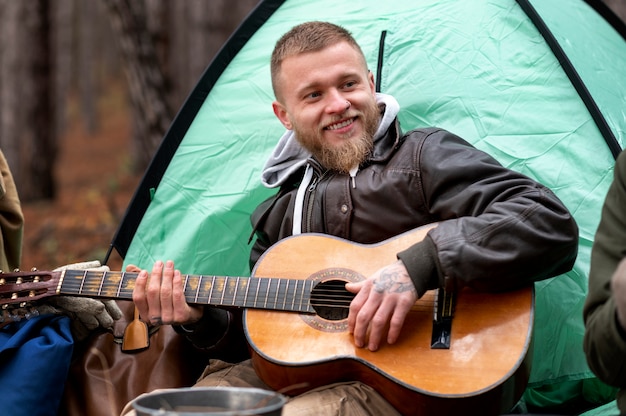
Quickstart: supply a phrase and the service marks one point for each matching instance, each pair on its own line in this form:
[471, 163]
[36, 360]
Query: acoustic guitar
[469, 353]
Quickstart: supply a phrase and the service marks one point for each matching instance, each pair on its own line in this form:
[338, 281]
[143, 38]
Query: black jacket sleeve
[497, 230]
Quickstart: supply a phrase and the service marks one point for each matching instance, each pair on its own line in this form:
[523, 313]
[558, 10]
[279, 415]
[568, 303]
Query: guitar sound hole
[331, 300]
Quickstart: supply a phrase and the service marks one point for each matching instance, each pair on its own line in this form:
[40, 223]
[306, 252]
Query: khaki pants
[345, 399]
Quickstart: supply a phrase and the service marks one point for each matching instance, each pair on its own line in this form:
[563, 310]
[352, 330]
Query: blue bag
[35, 356]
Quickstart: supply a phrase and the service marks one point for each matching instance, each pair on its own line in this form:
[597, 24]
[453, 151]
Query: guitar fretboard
[247, 292]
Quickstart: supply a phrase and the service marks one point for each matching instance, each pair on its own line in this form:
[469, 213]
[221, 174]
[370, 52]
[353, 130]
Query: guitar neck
[245, 292]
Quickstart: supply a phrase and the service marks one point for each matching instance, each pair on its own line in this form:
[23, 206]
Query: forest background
[88, 89]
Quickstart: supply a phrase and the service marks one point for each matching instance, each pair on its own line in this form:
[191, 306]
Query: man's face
[328, 99]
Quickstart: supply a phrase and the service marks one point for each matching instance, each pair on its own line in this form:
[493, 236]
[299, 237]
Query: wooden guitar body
[484, 371]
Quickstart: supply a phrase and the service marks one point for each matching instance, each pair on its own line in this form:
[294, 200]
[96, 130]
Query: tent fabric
[481, 69]
[608, 409]
[584, 76]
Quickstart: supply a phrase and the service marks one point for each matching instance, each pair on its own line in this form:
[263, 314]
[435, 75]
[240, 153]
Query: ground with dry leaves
[95, 182]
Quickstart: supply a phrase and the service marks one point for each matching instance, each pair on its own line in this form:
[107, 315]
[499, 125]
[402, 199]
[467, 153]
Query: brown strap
[135, 335]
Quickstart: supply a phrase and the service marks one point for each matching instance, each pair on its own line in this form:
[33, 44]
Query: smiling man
[333, 111]
[343, 167]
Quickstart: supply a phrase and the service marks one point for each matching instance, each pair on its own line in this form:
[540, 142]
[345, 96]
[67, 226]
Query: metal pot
[210, 401]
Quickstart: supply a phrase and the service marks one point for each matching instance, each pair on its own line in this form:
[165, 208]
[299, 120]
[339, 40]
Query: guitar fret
[276, 296]
[223, 291]
[298, 296]
[119, 285]
[286, 294]
[80, 289]
[185, 286]
[256, 295]
[267, 292]
[255, 283]
[245, 295]
[303, 295]
[195, 296]
[271, 297]
[307, 295]
[101, 283]
[211, 291]
[295, 294]
[235, 293]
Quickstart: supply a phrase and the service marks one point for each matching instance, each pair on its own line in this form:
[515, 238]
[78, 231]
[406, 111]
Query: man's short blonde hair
[308, 37]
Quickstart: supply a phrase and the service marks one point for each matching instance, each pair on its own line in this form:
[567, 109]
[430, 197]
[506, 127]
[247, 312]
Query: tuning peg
[33, 269]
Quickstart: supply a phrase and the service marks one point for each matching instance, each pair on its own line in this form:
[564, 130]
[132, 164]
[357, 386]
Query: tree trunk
[87, 62]
[41, 153]
[152, 114]
[63, 60]
[10, 74]
[27, 121]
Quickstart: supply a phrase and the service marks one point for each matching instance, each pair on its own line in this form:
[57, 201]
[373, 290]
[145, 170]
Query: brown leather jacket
[497, 229]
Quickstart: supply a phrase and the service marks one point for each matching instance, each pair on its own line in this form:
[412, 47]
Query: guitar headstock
[20, 288]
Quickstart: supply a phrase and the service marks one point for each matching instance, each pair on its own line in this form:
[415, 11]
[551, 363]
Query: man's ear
[370, 77]
[281, 113]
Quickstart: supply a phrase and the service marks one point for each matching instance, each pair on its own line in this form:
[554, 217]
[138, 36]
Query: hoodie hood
[288, 156]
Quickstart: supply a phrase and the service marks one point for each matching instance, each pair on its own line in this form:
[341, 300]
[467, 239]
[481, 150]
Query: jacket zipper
[309, 206]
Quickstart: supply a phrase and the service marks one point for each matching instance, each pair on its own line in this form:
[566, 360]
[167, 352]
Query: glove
[87, 314]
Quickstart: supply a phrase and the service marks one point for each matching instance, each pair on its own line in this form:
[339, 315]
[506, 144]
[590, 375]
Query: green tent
[539, 84]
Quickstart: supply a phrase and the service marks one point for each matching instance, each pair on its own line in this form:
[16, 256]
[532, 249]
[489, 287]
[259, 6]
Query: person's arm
[497, 230]
[605, 334]
[11, 220]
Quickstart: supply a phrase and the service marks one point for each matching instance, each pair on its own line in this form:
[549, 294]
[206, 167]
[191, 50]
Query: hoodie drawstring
[353, 173]
[297, 211]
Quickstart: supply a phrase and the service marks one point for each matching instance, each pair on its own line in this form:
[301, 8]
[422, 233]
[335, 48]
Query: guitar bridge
[442, 320]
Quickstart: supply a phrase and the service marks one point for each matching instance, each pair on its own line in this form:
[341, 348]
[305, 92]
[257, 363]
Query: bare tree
[166, 46]
[27, 124]
[87, 63]
[63, 12]
[208, 24]
[41, 152]
[152, 114]
[10, 78]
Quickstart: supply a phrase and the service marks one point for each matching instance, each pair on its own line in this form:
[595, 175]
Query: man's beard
[350, 153]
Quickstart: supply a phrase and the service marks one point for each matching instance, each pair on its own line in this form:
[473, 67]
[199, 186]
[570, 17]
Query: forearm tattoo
[393, 280]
